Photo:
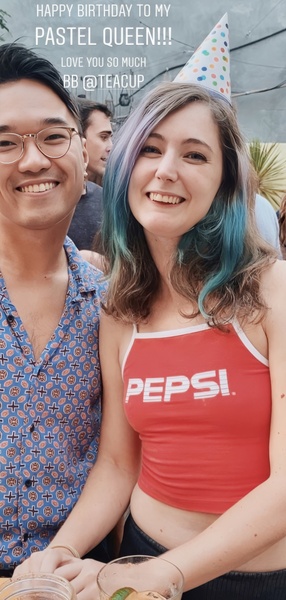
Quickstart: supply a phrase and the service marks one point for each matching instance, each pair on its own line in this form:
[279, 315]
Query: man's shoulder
[87, 276]
[92, 195]
[93, 190]
[263, 206]
[267, 221]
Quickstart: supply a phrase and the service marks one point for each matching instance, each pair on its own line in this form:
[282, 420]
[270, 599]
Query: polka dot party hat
[209, 65]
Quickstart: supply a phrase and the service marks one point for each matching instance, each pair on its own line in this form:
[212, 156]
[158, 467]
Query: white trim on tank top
[193, 329]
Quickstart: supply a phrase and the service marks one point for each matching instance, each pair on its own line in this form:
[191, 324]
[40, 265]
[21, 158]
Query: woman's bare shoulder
[276, 272]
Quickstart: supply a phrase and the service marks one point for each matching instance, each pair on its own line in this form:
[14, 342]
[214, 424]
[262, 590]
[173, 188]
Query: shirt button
[10, 319]
[32, 428]
[25, 537]
[28, 483]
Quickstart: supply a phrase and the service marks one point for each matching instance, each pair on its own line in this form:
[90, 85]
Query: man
[281, 220]
[96, 125]
[87, 217]
[49, 309]
[97, 129]
[267, 222]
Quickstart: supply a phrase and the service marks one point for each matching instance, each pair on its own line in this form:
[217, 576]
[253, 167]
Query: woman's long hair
[218, 262]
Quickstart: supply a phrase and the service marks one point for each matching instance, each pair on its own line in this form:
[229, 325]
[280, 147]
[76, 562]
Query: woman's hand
[46, 561]
[82, 575]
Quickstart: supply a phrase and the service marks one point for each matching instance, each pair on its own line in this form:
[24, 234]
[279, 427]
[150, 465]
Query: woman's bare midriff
[172, 526]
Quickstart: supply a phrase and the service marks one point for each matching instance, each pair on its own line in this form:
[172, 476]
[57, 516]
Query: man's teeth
[38, 187]
[164, 198]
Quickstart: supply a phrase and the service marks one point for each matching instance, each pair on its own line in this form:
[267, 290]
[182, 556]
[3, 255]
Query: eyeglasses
[53, 142]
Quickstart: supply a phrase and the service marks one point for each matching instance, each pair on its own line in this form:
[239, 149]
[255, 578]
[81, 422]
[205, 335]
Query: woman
[193, 357]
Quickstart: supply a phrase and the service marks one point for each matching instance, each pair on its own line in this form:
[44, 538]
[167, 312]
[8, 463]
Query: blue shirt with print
[50, 414]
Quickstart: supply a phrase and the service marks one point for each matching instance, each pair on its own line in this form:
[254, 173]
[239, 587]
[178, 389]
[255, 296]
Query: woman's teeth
[166, 199]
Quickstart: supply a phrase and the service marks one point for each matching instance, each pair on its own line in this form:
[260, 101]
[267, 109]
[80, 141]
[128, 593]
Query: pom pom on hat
[209, 65]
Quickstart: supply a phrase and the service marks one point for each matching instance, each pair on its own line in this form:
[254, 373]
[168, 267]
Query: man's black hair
[87, 107]
[19, 62]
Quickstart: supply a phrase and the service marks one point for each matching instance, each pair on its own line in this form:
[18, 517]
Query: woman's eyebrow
[191, 140]
[197, 141]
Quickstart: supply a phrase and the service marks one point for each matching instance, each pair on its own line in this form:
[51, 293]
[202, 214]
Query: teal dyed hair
[219, 239]
[211, 254]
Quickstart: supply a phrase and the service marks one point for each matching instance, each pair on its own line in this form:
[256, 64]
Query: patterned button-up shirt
[50, 415]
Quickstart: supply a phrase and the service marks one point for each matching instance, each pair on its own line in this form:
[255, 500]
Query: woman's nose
[167, 168]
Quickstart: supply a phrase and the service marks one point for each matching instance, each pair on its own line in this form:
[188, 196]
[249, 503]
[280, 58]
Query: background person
[282, 226]
[97, 130]
[87, 217]
[267, 222]
[192, 348]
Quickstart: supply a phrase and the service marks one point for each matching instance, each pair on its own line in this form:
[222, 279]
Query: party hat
[209, 65]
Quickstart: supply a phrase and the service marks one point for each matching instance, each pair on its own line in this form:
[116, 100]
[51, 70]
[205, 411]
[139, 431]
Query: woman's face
[178, 173]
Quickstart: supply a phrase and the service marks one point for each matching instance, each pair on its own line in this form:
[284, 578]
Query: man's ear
[84, 152]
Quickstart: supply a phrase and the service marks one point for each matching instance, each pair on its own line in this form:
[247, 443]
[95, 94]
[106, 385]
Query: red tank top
[200, 400]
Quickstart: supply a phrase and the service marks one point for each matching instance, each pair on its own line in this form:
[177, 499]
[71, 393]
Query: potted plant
[270, 169]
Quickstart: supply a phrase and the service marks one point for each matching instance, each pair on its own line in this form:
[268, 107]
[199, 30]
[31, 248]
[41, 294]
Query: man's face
[99, 143]
[37, 192]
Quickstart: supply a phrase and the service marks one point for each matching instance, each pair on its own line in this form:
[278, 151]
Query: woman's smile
[162, 198]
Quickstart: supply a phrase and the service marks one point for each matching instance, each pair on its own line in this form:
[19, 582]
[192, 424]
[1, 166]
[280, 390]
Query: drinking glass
[150, 577]
[37, 586]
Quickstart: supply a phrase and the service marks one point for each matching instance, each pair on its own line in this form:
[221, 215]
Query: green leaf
[270, 169]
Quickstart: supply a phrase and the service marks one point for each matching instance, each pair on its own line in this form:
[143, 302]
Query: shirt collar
[83, 277]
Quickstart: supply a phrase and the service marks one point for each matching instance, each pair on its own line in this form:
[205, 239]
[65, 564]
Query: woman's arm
[257, 521]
